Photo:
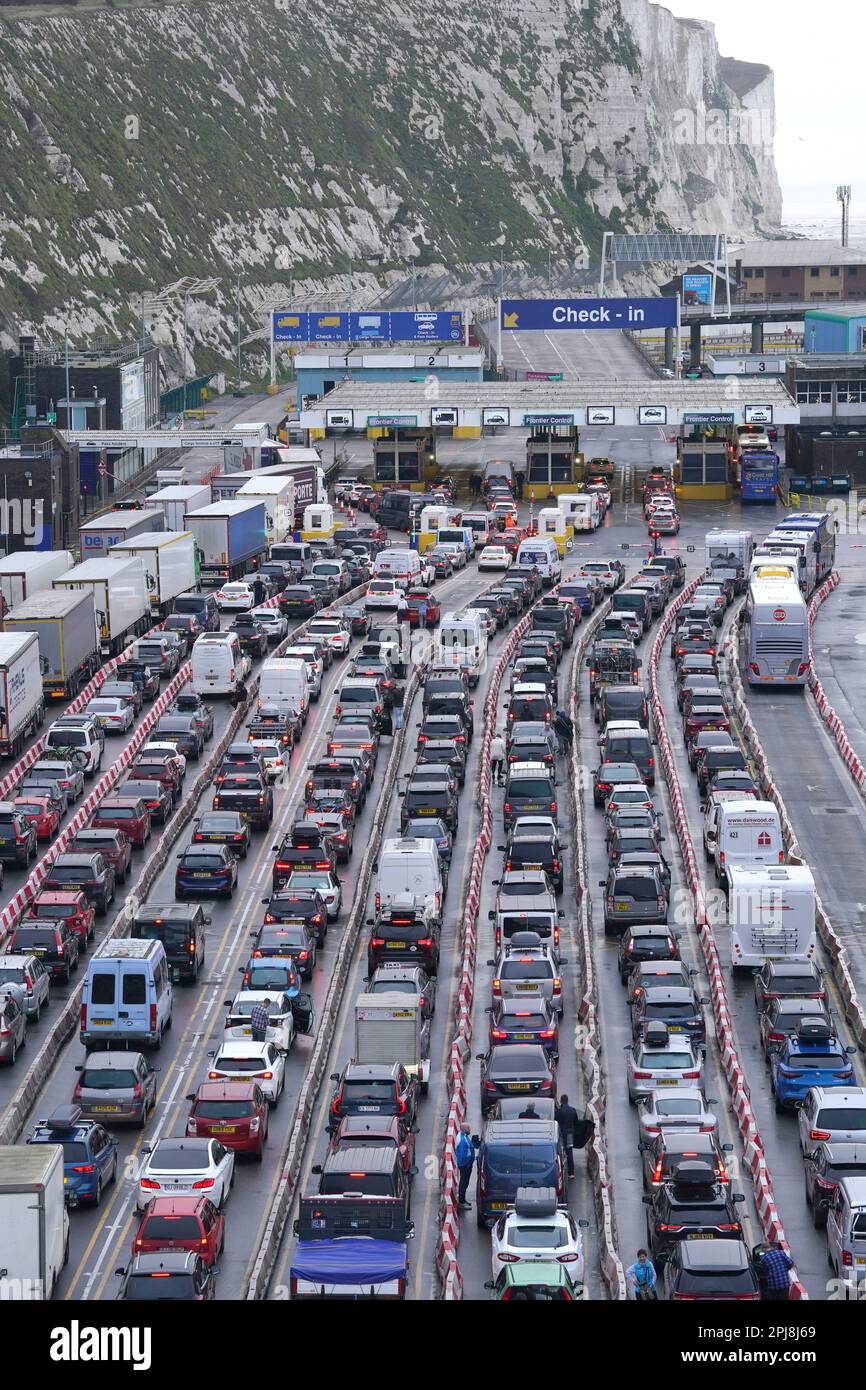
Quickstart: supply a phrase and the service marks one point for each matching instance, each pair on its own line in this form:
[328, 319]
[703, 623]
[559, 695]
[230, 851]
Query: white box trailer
[391, 1028]
[22, 699]
[175, 502]
[29, 572]
[64, 621]
[747, 833]
[278, 496]
[170, 568]
[771, 914]
[120, 594]
[96, 536]
[34, 1223]
[740, 544]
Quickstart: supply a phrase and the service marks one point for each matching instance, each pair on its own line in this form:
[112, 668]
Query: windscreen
[107, 1079]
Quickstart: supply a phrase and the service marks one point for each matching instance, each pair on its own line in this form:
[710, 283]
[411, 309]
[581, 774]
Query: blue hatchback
[89, 1153]
[272, 973]
[813, 1056]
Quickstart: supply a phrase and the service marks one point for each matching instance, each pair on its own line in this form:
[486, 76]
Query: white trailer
[391, 1028]
[27, 572]
[22, 699]
[278, 496]
[97, 536]
[169, 560]
[64, 621]
[120, 594]
[771, 914]
[175, 502]
[34, 1223]
[721, 544]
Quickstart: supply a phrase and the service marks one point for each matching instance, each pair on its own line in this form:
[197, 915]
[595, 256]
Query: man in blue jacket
[465, 1155]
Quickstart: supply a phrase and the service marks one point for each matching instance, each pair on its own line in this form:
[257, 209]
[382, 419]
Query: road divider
[754, 1160]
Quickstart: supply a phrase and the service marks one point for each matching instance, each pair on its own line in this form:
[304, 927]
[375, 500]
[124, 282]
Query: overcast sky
[815, 52]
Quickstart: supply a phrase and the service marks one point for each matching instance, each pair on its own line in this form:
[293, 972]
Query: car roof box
[655, 1033]
[525, 940]
[535, 1201]
[694, 1174]
[813, 1030]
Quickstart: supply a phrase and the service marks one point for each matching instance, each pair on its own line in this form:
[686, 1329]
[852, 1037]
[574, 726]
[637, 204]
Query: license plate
[523, 1037]
[101, 1022]
[223, 1129]
[518, 1086]
[666, 1081]
[65, 1181]
[365, 1109]
[497, 1206]
[700, 1235]
[622, 907]
[533, 866]
[674, 1028]
[37, 950]
[198, 875]
[395, 945]
[106, 1109]
[426, 811]
[528, 988]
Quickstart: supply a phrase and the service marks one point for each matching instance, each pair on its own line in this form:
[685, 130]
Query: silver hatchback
[13, 1022]
[661, 1059]
[31, 976]
[116, 1088]
[527, 967]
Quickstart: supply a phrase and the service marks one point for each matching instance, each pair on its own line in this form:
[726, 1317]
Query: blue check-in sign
[547, 315]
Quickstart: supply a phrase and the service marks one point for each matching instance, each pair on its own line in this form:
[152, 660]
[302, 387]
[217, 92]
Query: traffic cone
[351, 516]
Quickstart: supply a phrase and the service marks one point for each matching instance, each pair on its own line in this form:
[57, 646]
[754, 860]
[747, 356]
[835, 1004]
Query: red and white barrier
[754, 1159]
[849, 757]
[15, 909]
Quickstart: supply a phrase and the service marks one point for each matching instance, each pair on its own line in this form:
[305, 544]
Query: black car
[190, 702]
[299, 940]
[280, 572]
[223, 828]
[252, 636]
[404, 934]
[429, 799]
[516, 1069]
[373, 1089]
[720, 759]
[184, 731]
[359, 621]
[450, 726]
[535, 849]
[239, 757]
[53, 942]
[826, 1165]
[89, 872]
[552, 616]
[306, 846]
[141, 674]
[157, 797]
[530, 575]
[17, 836]
[494, 606]
[694, 1206]
[641, 943]
[173, 1275]
[444, 752]
[299, 601]
[247, 792]
[620, 702]
[289, 908]
[340, 774]
[789, 979]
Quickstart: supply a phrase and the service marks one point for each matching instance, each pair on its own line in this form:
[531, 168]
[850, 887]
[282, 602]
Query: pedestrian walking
[520, 479]
[239, 694]
[422, 613]
[402, 608]
[776, 1265]
[465, 1156]
[567, 1118]
[260, 1019]
[497, 759]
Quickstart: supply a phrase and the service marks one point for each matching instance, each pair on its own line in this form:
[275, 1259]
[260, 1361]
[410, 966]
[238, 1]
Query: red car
[414, 600]
[181, 1223]
[164, 770]
[234, 1112]
[113, 845]
[378, 1132]
[702, 717]
[38, 812]
[127, 813]
[70, 907]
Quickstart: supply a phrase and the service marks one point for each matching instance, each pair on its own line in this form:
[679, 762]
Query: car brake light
[203, 1183]
[691, 1075]
[149, 1184]
[497, 989]
[819, 1134]
[547, 1033]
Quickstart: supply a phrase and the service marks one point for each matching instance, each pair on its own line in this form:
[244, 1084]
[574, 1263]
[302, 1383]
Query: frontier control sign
[548, 314]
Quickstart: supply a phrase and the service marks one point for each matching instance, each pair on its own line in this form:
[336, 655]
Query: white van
[284, 680]
[462, 641]
[409, 866]
[541, 552]
[479, 525]
[127, 995]
[457, 535]
[218, 663]
[583, 510]
[748, 833]
[402, 566]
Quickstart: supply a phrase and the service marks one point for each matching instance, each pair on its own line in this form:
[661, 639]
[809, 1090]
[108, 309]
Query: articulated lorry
[170, 565]
[231, 537]
[34, 1223]
[29, 572]
[22, 701]
[120, 593]
[64, 621]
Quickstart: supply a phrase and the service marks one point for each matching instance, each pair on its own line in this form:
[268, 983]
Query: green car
[534, 1281]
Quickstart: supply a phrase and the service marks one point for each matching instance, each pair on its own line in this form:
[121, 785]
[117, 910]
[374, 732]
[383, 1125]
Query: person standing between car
[641, 1276]
[497, 759]
[567, 1118]
[465, 1156]
[520, 479]
[564, 730]
[402, 607]
[422, 614]
[260, 1019]
[239, 694]
[776, 1265]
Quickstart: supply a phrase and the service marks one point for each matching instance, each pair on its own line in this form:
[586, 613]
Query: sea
[826, 228]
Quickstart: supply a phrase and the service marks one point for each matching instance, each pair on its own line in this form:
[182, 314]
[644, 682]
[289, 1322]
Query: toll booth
[552, 522]
[404, 458]
[554, 463]
[702, 469]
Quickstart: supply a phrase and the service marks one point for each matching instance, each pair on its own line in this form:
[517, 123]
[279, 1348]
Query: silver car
[116, 1088]
[13, 1022]
[526, 967]
[832, 1114]
[30, 974]
[673, 1108]
[660, 1059]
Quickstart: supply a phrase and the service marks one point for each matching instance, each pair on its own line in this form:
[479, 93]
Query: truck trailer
[96, 536]
[29, 572]
[120, 593]
[176, 501]
[231, 537]
[64, 621]
[22, 700]
[34, 1223]
[170, 568]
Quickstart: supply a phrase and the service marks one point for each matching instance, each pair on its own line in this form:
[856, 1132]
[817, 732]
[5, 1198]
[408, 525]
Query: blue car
[204, 869]
[89, 1153]
[584, 594]
[435, 830]
[272, 973]
[813, 1056]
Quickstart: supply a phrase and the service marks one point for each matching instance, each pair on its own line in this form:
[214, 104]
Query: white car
[322, 881]
[494, 557]
[281, 1031]
[176, 1166]
[275, 623]
[235, 597]
[537, 1229]
[382, 593]
[276, 758]
[674, 1109]
[315, 666]
[333, 631]
[115, 716]
[164, 748]
[263, 1062]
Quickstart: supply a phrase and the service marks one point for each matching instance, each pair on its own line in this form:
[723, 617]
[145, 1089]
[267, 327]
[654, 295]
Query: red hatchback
[128, 813]
[376, 1132]
[38, 812]
[415, 598]
[181, 1223]
[70, 907]
[234, 1112]
[113, 845]
[165, 771]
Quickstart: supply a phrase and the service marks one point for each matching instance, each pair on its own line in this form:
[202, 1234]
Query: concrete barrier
[753, 1148]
